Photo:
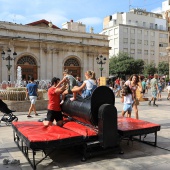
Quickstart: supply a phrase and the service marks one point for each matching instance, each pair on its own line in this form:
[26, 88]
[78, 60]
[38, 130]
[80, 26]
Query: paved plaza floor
[137, 156]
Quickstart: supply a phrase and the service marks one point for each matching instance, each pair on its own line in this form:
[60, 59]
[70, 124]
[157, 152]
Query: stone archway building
[44, 51]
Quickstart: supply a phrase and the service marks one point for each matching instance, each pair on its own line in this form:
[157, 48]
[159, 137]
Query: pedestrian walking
[134, 84]
[31, 91]
[154, 89]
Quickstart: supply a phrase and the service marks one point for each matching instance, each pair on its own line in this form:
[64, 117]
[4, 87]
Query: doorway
[73, 65]
[28, 66]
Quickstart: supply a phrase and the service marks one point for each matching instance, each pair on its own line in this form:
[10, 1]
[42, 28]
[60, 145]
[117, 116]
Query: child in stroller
[8, 116]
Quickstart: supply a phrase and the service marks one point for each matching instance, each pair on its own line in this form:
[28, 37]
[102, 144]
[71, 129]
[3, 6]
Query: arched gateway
[29, 67]
[73, 65]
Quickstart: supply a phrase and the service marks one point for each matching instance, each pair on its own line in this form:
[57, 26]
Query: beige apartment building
[44, 50]
[141, 34]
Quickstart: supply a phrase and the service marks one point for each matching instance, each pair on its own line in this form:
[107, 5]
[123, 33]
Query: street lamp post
[9, 58]
[101, 60]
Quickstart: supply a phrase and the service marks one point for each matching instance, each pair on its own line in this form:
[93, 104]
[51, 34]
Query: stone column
[49, 64]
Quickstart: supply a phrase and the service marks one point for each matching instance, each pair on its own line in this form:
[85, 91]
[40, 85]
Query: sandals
[29, 116]
[36, 114]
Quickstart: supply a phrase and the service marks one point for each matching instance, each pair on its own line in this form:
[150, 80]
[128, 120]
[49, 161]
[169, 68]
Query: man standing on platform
[154, 89]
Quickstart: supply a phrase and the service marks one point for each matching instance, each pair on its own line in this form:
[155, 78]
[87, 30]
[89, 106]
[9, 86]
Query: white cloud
[157, 10]
[91, 20]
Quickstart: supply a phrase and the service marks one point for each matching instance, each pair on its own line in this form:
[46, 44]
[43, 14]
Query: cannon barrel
[86, 110]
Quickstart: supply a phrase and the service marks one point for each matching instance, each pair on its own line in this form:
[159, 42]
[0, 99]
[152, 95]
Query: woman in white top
[88, 86]
[134, 84]
[127, 99]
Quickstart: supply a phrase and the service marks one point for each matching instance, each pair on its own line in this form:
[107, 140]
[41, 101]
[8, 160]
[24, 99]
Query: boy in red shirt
[54, 110]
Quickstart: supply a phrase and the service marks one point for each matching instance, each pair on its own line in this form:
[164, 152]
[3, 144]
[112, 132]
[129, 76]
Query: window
[145, 52]
[144, 24]
[161, 27]
[163, 45]
[146, 32]
[132, 41]
[132, 51]
[151, 25]
[27, 59]
[116, 41]
[125, 50]
[145, 42]
[136, 22]
[152, 52]
[129, 21]
[115, 31]
[152, 33]
[110, 32]
[72, 62]
[125, 40]
[161, 35]
[139, 31]
[139, 41]
[152, 43]
[139, 51]
[132, 31]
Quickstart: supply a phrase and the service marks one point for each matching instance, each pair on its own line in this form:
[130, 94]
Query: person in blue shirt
[31, 91]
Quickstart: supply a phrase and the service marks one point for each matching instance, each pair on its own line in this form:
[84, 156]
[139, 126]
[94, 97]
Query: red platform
[34, 136]
[129, 127]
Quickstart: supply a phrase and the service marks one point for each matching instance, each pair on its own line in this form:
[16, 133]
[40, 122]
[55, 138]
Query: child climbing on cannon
[88, 86]
[71, 83]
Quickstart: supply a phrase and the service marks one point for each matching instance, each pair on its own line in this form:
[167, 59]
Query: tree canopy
[150, 69]
[163, 68]
[123, 64]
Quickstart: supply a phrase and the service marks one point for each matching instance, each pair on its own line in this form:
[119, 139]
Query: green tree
[123, 64]
[163, 68]
[150, 69]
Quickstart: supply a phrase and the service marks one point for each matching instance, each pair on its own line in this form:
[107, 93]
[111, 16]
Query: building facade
[44, 51]
[141, 34]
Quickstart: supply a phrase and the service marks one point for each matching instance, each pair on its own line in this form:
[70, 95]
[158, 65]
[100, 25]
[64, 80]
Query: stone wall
[23, 106]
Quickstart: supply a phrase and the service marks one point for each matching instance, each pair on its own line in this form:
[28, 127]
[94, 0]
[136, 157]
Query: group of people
[69, 85]
[129, 93]
[60, 89]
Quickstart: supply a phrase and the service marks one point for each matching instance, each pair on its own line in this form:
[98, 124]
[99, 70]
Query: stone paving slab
[137, 155]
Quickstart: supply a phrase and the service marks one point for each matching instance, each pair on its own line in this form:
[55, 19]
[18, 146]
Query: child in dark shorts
[54, 115]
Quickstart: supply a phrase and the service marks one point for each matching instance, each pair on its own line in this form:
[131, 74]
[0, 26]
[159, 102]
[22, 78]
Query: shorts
[54, 115]
[127, 107]
[86, 93]
[154, 94]
[33, 99]
[159, 90]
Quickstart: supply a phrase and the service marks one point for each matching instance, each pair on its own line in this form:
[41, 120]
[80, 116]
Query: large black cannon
[87, 110]
[97, 110]
[93, 124]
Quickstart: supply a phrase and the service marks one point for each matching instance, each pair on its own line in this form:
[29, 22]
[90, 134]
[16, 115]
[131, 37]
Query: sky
[89, 12]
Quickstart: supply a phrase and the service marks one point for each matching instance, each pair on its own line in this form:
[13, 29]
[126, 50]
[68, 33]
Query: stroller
[8, 116]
